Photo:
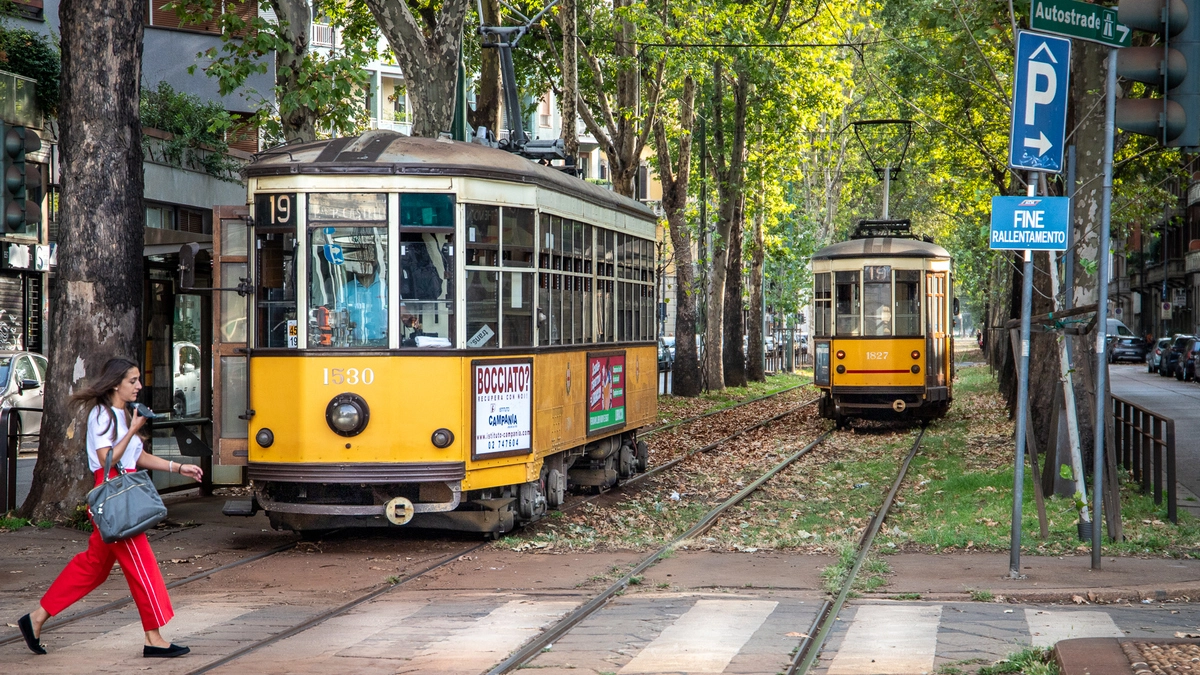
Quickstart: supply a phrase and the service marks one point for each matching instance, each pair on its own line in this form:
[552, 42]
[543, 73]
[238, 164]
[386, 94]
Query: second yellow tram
[882, 325]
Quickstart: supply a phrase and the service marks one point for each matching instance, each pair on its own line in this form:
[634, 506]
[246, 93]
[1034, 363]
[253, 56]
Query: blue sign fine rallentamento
[1039, 111]
[1034, 223]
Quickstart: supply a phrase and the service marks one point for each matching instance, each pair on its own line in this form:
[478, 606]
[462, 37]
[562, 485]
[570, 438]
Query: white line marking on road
[889, 640]
[704, 640]
[479, 645]
[1047, 628]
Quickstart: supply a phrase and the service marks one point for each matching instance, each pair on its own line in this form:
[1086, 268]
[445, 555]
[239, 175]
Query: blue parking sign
[1039, 111]
[1029, 223]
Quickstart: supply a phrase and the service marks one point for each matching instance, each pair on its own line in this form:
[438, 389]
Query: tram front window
[426, 289]
[877, 300]
[849, 303]
[908, 303]
[347, 270]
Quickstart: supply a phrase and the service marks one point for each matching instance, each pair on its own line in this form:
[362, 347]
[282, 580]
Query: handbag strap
[108, 463]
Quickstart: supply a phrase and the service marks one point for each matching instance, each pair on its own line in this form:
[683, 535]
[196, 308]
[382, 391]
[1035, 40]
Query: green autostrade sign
[1078, 20]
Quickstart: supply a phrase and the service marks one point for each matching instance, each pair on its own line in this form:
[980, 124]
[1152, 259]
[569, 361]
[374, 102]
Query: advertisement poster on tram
[606, 391]
[503, 408]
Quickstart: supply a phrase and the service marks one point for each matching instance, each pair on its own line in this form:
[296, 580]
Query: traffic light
[22, 180]
[1173, 65]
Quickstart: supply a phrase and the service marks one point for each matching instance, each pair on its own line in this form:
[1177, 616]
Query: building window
[544, 112]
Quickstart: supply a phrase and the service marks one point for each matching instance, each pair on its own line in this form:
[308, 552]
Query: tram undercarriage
[294, 499]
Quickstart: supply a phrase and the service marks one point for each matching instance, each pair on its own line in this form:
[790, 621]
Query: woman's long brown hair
[99, 391]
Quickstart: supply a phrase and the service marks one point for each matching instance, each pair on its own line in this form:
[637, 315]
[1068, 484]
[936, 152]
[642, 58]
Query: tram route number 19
[348, 376]
[275, 210]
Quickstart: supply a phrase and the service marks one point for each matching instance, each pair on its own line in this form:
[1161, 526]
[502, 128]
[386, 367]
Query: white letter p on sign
[1033, 95]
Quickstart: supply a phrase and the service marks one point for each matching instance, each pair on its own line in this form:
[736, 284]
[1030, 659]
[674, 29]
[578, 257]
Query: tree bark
[728, 176]
[735, 325]
[97, 304]
[755, 370]
[685, 377]
[428, 55]
[487, 98]
[569, 100]
[295, 26]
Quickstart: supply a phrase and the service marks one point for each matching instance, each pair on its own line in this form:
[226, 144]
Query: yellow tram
[439, 334]
[882, 317]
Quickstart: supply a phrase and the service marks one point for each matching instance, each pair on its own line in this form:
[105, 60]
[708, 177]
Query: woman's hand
[191, 471]
[137, 422]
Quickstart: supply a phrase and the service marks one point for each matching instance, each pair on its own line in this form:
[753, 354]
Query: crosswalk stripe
[478, 645]
[889, 640]
[188, 621]
[1047, 628]
[356, 633]
[705, 639]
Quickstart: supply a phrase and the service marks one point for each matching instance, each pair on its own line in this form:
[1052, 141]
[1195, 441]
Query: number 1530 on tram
[431, 334]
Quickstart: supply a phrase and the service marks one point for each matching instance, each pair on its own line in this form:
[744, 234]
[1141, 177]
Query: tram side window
[276, 294]
[483, 293]
[605, 329]
[848, 303]
[348, 258]
[516, 237]
[877, 300]
[483, 235]
[908, 303]
[822, 301]
[547, 315]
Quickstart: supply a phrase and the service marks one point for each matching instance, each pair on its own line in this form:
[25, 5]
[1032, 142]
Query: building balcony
[1192, 261]
[324, 35]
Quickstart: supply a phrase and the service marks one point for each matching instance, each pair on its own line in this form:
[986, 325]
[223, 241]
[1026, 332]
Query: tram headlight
[347, 414]
[265, 437]
[442, 438]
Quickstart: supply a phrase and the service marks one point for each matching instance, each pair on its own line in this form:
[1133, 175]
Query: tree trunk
[1087, 92]
[756, 372]
[428, 55]
[98, 301]
[685, 377]
[487, 98]
[295, 26]
[569, 100]
[735, 324]
[728, 175]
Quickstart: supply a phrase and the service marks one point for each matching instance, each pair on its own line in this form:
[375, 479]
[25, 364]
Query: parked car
[1154, 356]
[1186, 370]
[1170, 362]
[666, 358]
[669, 341]
[186, 362]
[1126, 348]
[23, 378]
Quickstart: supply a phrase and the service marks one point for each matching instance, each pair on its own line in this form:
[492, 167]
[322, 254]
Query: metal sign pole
[1014, 554]
[1110, 102]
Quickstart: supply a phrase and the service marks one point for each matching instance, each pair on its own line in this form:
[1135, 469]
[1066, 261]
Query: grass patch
[982, 596]
[1031, 661]
[905, 596]
[871, 576]
[12, 523]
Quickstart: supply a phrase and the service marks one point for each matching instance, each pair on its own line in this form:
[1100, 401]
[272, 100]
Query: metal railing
[1145, 445]
[12, 445]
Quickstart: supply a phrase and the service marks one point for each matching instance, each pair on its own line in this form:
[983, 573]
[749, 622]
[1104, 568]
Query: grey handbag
[126, 505]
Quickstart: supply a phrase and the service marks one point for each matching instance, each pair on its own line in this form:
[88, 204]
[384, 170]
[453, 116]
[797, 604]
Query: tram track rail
[534, 647]
[810, 647]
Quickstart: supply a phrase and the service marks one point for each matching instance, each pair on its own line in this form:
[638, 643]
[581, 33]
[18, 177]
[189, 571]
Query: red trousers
[90, 568]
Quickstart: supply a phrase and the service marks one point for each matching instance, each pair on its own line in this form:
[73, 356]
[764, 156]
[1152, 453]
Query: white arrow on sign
[1042, 144]
[1124, 31]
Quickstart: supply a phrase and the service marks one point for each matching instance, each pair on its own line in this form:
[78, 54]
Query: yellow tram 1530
[439, 334]
[882, 317]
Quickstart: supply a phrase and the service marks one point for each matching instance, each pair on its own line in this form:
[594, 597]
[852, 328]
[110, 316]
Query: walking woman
[107, 400]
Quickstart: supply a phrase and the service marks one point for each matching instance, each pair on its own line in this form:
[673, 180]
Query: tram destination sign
[1029, 223]
[1082, 20]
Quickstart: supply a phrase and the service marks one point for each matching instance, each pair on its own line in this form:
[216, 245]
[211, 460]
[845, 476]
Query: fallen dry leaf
[793, 634]
[1079, 599]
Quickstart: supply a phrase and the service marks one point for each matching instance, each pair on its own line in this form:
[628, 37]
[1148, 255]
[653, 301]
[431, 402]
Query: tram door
[935, 331]
[231, 238]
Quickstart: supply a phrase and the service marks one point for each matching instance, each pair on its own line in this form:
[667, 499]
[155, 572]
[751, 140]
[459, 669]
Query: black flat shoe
[164, 652]
[26, 625]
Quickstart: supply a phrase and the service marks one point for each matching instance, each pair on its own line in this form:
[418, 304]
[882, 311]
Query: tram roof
[388, 152]
[881, 247]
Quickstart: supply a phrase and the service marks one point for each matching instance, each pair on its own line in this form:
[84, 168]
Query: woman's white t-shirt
[100, 435]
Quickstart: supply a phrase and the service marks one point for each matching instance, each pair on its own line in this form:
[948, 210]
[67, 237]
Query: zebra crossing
[638, 634]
